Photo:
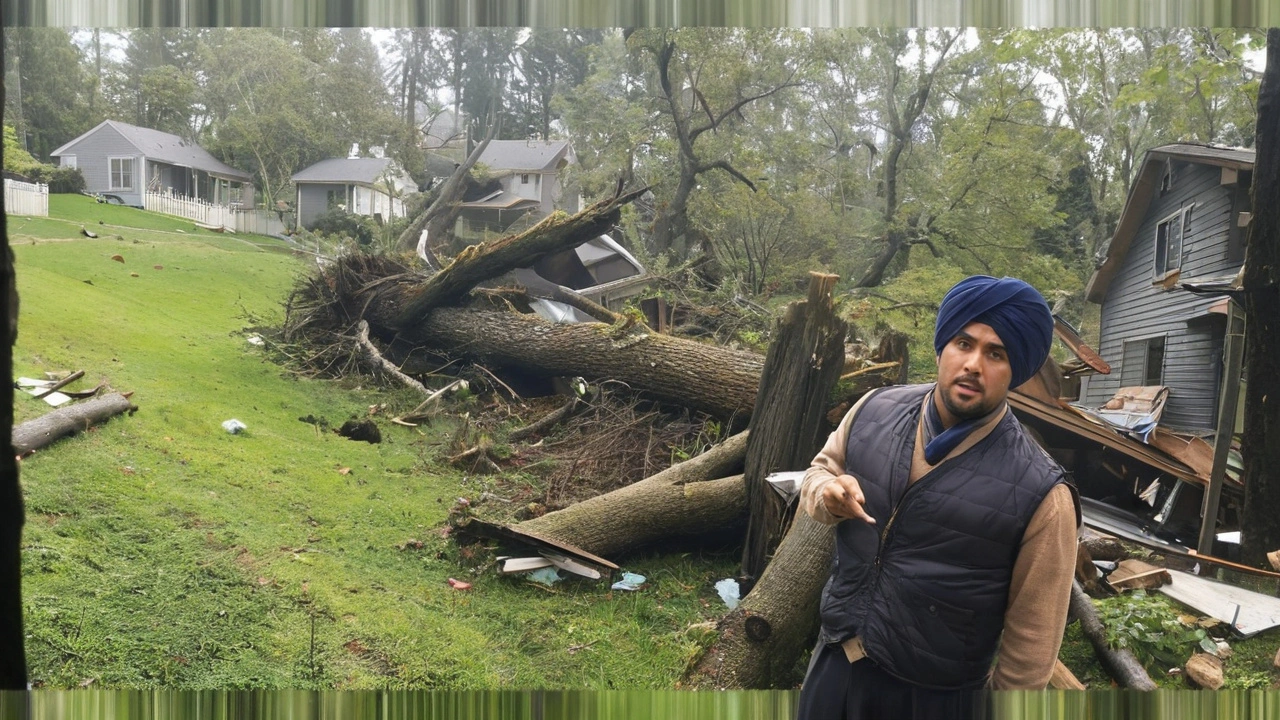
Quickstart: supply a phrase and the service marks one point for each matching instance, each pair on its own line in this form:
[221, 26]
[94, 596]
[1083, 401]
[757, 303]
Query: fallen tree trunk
[719, 381]
[44, 430]
[1119, 663]
[685, 499]
[478, 263]
[759, 641]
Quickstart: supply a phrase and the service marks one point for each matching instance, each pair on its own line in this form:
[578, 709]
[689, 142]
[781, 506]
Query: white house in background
[529, 175]
[358, 185]
[124, 160]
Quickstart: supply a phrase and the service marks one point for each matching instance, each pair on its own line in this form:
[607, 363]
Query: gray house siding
[313, 200]
[92, 155]
[1137, 309]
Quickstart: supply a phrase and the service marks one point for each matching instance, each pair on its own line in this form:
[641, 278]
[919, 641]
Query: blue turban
[1014, 309]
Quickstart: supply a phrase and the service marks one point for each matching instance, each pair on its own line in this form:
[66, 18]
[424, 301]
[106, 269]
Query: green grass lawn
[161, 551]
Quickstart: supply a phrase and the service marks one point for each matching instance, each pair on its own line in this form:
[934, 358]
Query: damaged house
[1151, 437]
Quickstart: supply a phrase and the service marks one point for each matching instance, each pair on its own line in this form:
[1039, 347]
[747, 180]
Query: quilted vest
[926, 587]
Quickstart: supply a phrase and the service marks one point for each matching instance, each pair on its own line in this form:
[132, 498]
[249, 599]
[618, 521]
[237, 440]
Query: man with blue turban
[955, 533]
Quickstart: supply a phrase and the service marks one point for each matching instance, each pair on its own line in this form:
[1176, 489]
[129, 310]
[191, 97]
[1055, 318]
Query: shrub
[340, 222]
[60, 179]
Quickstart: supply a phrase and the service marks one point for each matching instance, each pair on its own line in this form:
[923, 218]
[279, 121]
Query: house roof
[528, 155]
[167, 148]
[501, 200]
[1144, 186]
[344, 170]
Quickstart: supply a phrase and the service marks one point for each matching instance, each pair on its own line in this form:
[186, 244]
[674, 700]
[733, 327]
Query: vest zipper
[884, 536]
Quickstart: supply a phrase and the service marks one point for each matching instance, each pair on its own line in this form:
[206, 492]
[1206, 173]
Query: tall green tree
[707, 79]
[47, 88]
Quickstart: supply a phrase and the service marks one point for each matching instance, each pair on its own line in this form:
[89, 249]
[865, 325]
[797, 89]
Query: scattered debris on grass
[234, 426]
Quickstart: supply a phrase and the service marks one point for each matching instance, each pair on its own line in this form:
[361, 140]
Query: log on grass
[759, 642]
[1121, 664]
[44, 430]
[687, 499]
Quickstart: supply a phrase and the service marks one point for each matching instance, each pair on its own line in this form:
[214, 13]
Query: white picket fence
[24, 198]
[241, 220]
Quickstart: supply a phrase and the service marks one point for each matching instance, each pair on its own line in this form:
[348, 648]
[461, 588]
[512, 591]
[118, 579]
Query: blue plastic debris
[728, 589]
[546, 576]
[629, 581]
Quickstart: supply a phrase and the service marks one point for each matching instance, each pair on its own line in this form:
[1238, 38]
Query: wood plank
[1135, 574]
[505, 532]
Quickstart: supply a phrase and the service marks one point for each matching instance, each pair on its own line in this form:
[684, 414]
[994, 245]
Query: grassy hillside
[160, 550]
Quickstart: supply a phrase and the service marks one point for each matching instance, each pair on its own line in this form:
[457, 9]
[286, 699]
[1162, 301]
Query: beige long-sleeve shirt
[1040, 589]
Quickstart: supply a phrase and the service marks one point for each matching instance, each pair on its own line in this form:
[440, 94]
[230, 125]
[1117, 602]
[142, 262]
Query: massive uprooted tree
[366, 301]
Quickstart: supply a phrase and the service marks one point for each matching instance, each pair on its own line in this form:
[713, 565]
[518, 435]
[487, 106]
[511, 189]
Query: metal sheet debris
[1247, 611]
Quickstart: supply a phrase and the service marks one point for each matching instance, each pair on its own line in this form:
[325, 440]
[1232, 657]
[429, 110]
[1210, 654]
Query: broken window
[1169, 234]
[1143, 362]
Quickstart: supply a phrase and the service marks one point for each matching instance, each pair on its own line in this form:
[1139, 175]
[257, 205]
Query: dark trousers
[836, 690]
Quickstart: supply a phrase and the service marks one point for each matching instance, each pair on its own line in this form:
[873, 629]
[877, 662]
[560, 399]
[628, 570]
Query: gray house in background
[124, 160]
[1165, 285]
[528, 172]
[361, 186]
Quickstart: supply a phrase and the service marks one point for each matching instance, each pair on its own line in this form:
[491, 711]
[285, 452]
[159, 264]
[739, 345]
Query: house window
[1169, 234]
[69, 161]
[1143, 362]
[121, 173]
[524, 179]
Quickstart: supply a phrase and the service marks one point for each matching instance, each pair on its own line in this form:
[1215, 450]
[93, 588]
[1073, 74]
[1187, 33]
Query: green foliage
[47, 87]
[15, 158]
[360, 228]
[1148, 626]
[59, 179]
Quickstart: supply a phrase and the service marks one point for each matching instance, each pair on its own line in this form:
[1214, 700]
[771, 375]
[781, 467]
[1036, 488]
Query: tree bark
[1120, 664]
[1260, 446]
[44, 430]
[760, 641]
[804, 362]
[683, 500]
[715, 380]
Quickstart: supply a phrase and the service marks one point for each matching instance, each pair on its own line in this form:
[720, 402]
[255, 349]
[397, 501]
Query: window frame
[1126, 378]
[111, 172]
[1163, 263]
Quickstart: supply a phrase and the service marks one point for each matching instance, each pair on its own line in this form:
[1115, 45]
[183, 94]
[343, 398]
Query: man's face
[973, 374]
